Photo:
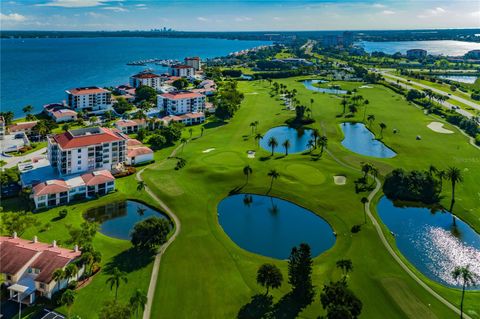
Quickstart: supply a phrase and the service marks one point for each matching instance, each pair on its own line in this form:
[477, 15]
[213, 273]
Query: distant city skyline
[232, 15]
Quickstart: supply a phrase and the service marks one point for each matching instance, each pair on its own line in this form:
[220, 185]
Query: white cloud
[277, 18]
[141, 5]
[437, 11]
[242, 19]
[475, 14]
[388, 12]
[115, 9]
[379, 5]
[202, 19]
[75, 3]
[95, 15]
[12, 17]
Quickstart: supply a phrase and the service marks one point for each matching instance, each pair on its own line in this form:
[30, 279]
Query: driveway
[14, 160]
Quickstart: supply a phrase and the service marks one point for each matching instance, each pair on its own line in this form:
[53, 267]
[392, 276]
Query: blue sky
[232, 15]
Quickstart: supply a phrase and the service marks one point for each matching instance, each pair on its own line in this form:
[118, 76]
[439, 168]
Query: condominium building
[2, 127]
[181, 102]
[416, 54]
[63, 191]
[89, 99]
[28, 267]
[86, 149]
[147, 79]
[182, 70]
[194, 62]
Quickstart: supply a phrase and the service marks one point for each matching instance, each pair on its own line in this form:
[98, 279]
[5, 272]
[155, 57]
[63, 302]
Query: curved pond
[271, 226]
[118, 218]
[431, 242]
[359, 139]
[309, 84]
[298, 138]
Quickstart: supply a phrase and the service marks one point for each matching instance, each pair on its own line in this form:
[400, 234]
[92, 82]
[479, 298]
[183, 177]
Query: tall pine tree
[300, 273]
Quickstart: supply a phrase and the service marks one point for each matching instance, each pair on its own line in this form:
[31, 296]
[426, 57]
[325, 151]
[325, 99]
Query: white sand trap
[438, 127]
[251, 93]
[208, 150]
[251, 154]
[366, 87]
[340, 180]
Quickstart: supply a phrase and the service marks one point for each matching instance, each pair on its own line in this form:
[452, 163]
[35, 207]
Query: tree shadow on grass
[236, 190]
[261, 307]
[264, 158]
[214, 124]
[258, 307]
[130, 260]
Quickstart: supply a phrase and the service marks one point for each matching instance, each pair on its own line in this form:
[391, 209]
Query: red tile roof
[63, 112]
[47, 263]
[192, 58]
[133, 142]
[13, 257]
[87, 90]
[67, 140]
[146, 75]
[98, 177]
[181, 95]
[22, 126]
[181, 66]
[142, 150]
[53, 186]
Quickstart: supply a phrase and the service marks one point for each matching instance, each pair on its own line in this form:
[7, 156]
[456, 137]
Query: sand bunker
[340, 180]
[438, 127]
[208, 150]
[251, 154]
[366, 87]
[251, 93]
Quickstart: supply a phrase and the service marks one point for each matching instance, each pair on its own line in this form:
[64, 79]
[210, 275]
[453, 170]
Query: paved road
[390, 249]
[451, 96]
[444, 104]
[14, 160]
[163, 248]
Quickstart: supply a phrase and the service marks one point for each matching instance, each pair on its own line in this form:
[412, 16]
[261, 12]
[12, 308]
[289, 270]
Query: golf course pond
[298, 138]
[117, 219]
[309, 84]
[431, 242]
[359, 139]
[270, 226]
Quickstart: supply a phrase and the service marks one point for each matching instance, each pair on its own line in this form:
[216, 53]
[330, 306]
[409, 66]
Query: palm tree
[454, 175]
[258, 137]
[183, 141]
[311, 145]
[366, 102]
[429, 93]
[382, 127]
[432, 170]
[286, 145]
[311, 102]
[468, 279]
[269, 276]
[247, 171]
[140, 186]
[115, 279]
[58, 275]
[441, 174]
[141, 211]
[370, 119]
[322, 142]
[366, 167]
[315, 135]
[256, 126]
[67, 299]
[190, 131]
[252, 126]
[201, 130]
[272, 142]
[344, 104]
[65, 127]
[138, 301]
[27, 109]
[71, 271]
[364, 201]
[273, 174]
[345, 265]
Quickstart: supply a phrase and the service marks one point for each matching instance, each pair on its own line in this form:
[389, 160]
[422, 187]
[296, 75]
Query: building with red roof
[130, 126]
[63, 191]
[138, 153]
[22, 127]
[195, 62]
[28, 267]
[89, 99]
[86, 149]
[147, 79]
[182, 70]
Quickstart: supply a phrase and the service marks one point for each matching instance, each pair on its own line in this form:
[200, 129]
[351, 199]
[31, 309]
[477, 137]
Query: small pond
[271, 226]
[309, 84]
[298, 138]
[430, 241]
[118, 218]
[359, 139]
[460, 78]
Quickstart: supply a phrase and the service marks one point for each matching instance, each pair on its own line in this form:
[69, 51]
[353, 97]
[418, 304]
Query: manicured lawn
[211, 277]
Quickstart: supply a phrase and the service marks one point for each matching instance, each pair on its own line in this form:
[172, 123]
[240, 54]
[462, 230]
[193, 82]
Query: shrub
[62, 214]
[356, 228]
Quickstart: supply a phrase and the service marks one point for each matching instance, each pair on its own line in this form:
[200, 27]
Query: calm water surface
[359, 139]
[460, 78]
[298, 139]
[118, 218]
[38, 71]
[445, 47]
[430, 242]
[309, 84]
[271, 226]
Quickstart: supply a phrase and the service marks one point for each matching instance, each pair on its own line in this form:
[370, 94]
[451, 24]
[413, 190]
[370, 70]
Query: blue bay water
[38, 71]
[439, 47]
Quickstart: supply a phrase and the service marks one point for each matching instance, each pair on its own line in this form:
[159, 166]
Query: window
[9, 277]
[42, 286]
